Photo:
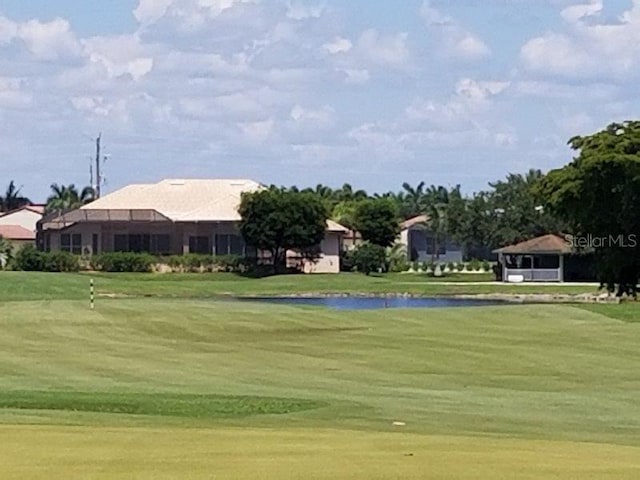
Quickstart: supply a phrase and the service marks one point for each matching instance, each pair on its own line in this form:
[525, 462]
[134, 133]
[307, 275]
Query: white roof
[181, 200]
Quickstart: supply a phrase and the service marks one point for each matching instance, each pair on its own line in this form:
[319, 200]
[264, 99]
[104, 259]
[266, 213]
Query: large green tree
[277, 220]
[598, 194]
[377, 221]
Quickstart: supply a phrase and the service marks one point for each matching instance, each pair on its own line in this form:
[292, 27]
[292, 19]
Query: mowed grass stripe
[46, 452]
[172, 405]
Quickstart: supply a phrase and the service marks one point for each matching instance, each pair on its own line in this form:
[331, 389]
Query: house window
[199, 244]
[230, 245]
[71, 243]
[158, 244]
[120, 243]
[161, 244]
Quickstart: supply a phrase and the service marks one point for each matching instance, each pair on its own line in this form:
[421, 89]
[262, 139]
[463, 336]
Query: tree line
[596, 194]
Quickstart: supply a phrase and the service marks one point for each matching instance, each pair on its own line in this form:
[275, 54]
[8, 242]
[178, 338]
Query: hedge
[30, 259]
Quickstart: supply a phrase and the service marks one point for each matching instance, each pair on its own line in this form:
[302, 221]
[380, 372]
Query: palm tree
[347, 193]
[412, 199]
[67, 197]
[435, 205]
[12, 199]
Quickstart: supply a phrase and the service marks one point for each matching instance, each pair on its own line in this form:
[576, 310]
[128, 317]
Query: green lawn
[197, 388]
[36, 286]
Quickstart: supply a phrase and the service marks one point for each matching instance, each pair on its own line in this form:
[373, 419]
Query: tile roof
[16, 232]
[181, 200]
[414, 221]
[549, 243]
[336, 227]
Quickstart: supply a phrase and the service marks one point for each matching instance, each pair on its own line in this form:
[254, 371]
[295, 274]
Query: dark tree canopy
[65, 197]
[277, 220]
[598, 194]
[377, 221]
[369, 258]
[12, 199]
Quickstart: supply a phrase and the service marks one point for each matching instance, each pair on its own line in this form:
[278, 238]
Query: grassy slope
[492, 392]
[511, 388]
[32, 286]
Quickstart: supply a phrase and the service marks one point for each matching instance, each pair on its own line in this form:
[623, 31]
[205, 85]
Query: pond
[374, 303]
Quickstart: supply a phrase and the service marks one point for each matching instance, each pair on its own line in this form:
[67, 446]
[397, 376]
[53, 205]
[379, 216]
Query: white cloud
[13, 93]
[574, 13]
[149, 11]
[301, 11]
[320, 117]
[478, 91]
[469, 47]
[338, 45]
[388, 50]
[455, 39]
[49, 40]
[120, 55]
[589, 46]
[8, 30]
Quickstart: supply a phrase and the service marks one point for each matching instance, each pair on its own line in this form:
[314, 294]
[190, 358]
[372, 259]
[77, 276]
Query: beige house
[171, 217]
[19, 226]
[420, 243]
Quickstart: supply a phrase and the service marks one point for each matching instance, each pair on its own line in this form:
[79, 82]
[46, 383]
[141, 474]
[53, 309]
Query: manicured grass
[199, 388]
[627, 312]
[37, 286]
[171, 405]
[45, 453]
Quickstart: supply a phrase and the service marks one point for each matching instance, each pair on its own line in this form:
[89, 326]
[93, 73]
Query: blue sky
[374, 93]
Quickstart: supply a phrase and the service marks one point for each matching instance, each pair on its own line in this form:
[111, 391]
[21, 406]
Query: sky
[370, 92]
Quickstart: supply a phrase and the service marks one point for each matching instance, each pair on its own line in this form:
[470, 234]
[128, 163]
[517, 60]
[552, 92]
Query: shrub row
[123, 262]
[193, 262]
[30, 259]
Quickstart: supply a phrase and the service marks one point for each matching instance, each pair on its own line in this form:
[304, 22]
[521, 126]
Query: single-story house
[168, 218]
[17, 235]
[548, 258]
[420, 242]
[19, 226]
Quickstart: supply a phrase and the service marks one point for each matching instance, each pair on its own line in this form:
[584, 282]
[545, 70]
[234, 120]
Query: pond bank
[495, 297]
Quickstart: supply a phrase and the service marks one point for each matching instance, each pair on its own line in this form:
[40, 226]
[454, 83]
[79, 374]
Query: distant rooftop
[181, 200]
[549, 244]
[16, 232]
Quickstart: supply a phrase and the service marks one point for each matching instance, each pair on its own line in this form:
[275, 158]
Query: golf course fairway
[152, 388]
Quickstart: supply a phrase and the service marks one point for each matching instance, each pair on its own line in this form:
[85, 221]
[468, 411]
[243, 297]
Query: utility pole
[98, 179]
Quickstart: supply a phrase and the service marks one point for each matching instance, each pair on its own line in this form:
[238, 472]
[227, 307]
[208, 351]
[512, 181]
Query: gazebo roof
[546, 244]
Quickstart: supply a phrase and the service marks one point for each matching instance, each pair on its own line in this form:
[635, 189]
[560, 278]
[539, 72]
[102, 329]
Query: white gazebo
[539, 259]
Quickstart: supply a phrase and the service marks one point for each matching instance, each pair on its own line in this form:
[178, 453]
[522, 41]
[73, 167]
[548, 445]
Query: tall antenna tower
[98, 183]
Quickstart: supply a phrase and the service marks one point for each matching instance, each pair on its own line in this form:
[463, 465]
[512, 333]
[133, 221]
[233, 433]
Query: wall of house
[415, 241]
[25, 218]
[328, 261]
[179, 234]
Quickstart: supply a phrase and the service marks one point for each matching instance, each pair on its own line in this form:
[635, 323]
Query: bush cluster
[193, 262]
[30, 259]
[123, 262]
